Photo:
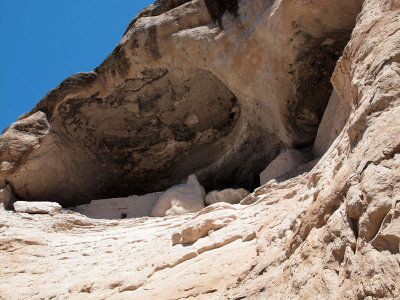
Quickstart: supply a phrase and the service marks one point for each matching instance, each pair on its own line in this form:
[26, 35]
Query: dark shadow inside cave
[312, 72]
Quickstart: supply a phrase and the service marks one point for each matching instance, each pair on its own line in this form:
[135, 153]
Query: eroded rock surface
[329, 233]
[332, 124]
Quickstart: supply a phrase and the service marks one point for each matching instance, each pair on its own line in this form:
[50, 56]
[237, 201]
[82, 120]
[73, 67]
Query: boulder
[284, 163]
[36, 207]
[232, 196]
[180, 199]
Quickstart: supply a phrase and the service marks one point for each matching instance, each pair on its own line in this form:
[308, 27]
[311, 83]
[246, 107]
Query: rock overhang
[131, 125]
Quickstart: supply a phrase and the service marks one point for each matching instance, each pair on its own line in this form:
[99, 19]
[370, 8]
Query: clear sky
[45, 41]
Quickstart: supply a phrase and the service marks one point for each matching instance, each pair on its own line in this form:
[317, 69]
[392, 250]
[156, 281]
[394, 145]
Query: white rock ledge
[36, 207]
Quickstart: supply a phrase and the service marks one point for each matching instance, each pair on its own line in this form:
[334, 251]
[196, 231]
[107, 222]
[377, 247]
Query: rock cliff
[219, 89]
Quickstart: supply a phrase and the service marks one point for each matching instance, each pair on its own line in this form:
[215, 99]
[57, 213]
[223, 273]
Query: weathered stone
[36, 207]
[202, 225]
[180, 199]
[19, 140]
[388, 237]
[232, 196]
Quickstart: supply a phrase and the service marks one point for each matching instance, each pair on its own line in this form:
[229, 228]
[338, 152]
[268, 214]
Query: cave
[170, 124]
[154, 124]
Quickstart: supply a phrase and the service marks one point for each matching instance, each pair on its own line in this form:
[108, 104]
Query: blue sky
[45, 41]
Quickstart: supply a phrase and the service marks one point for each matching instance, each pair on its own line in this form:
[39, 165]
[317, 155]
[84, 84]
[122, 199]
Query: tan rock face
[329, 233]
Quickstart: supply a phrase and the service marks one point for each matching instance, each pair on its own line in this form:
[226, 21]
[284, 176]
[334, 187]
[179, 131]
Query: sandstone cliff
[218, 88]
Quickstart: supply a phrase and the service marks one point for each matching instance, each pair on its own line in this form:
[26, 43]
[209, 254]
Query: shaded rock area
[7, 198]
[142, 131]
[312, 70]
[328, 230]
[334, 119]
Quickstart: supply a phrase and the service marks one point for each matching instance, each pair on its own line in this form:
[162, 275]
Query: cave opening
[224, 150]
[252, 150]
[172, 123]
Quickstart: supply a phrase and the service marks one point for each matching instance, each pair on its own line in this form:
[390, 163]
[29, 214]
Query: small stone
[232, 196]
[36, 207]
